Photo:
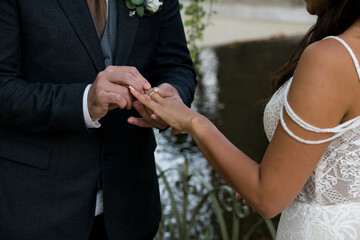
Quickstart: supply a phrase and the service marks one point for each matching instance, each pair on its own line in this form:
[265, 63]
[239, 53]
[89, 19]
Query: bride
[311, 169]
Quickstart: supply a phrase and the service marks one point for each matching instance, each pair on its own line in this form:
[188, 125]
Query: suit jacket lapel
[80, 18]
[127, 27]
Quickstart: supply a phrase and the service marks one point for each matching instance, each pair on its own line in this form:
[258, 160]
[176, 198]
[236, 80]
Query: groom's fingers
[175, 131]
[154, 118]
[112, 98]
[142, 111]
[146, 117]
[140, 122]
[128, 75]
[122, 79]
[145, 108]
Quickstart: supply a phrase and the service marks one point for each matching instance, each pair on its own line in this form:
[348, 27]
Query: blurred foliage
[198, 210]
[197, 17]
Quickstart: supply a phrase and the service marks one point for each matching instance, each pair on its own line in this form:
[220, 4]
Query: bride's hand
[171, 110]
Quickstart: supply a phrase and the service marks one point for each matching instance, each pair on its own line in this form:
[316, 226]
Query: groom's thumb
[175, 131]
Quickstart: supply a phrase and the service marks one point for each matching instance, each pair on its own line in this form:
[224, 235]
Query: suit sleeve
[35, 107]
[172, 63]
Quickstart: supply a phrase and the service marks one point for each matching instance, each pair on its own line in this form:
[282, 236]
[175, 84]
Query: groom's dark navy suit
[50, 163]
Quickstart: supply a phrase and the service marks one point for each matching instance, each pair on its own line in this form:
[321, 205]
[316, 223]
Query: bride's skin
[325, 92]
[315, 7]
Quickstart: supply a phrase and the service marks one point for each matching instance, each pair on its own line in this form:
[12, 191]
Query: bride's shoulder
[329, 61]
[328, 52]
[324, 73]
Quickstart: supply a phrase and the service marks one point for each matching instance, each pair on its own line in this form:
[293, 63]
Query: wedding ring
[152, 91]
[149, 91]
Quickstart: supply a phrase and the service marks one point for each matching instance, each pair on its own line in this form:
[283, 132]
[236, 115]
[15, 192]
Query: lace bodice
[336, 178]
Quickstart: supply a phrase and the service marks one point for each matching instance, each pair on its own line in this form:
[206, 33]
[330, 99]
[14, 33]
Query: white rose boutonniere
[153, 5]
[143, 7]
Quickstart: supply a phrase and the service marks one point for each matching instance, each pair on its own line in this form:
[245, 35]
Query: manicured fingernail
[132, 89]
[147, 85]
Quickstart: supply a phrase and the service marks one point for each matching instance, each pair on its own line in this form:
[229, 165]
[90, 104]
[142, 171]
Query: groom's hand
[148, 118]
[109, 90]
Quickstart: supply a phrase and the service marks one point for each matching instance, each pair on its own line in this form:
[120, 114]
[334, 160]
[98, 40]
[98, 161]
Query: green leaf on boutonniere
[130, 5]
[137, 2]
[140, 11]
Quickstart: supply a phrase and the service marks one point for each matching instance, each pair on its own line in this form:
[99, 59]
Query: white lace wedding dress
[328, 207]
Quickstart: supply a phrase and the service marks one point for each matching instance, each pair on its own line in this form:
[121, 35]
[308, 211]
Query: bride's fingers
[155, 117]
[156, 96]
[143, 98]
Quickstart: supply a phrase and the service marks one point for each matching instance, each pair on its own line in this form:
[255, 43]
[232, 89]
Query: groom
[76, 153]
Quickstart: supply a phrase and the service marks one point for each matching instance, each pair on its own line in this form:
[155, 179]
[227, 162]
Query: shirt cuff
[89, 122]
[99, 209]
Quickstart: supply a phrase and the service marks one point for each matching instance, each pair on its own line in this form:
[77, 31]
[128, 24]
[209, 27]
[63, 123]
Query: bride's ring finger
[152, 91]
[152, 94]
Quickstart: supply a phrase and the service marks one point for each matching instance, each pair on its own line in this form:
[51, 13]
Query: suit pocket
[24, 153]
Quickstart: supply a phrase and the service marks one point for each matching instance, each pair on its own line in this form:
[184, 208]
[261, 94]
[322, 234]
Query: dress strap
[351, 52]
[337, 131]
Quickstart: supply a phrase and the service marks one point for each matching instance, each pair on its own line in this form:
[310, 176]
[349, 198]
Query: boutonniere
[143, 7]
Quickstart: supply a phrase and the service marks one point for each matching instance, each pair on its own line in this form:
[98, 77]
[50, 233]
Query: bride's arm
[268, 187]
[316, 95]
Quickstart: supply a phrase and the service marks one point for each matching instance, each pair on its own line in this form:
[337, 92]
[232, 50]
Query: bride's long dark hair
[338, 16]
